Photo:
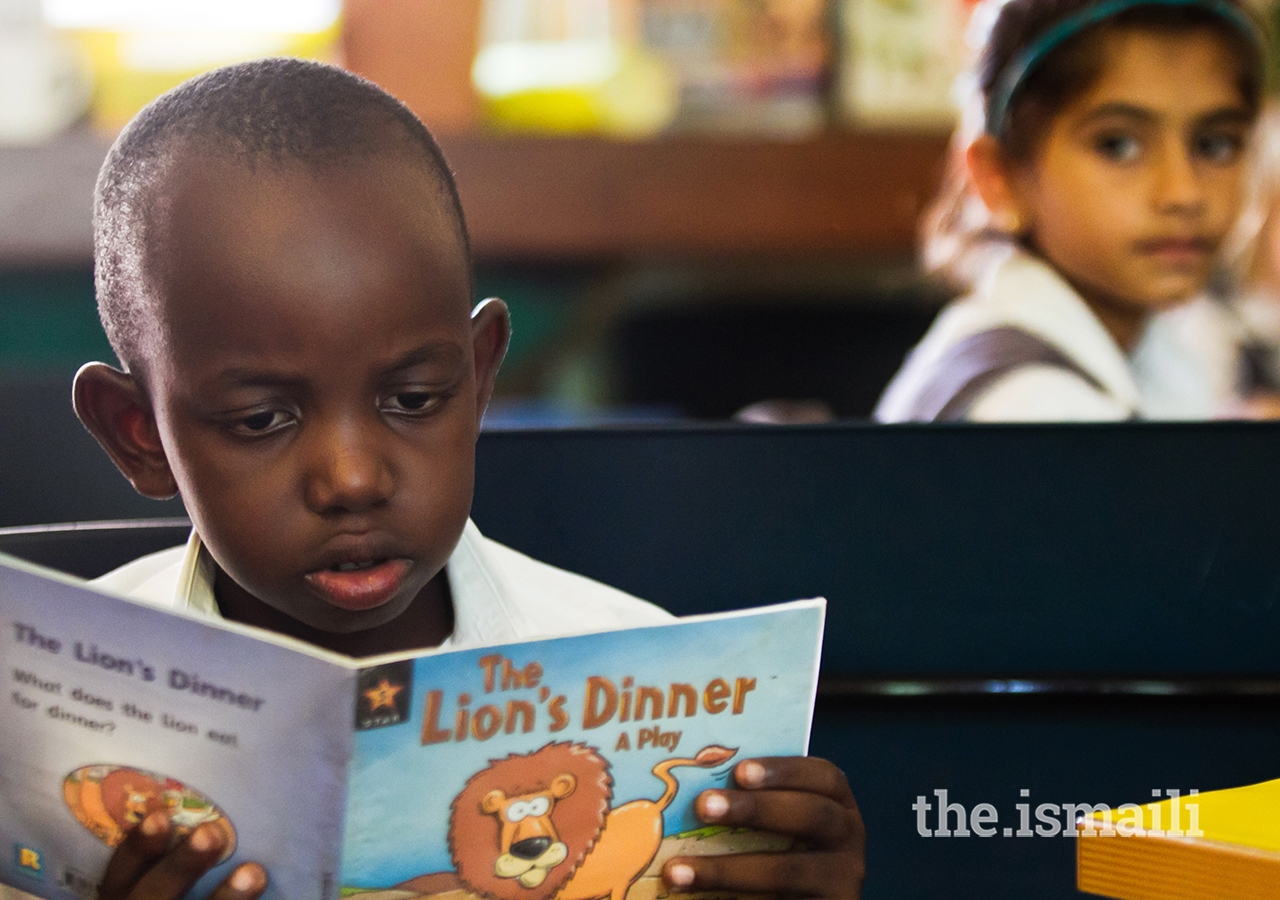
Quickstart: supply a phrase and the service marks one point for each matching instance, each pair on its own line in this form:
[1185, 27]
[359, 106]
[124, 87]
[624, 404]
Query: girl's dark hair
[956, 235]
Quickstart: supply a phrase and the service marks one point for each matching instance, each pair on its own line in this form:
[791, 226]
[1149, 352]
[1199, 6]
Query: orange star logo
[383, 695]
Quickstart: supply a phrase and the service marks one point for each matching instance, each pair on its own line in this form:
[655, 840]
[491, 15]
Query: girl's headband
[1017, 70]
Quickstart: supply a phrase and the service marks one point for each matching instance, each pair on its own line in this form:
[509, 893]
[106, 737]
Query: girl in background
[1096, 175]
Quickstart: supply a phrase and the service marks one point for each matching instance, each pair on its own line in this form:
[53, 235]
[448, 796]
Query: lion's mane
[474, 834]
[114, 794]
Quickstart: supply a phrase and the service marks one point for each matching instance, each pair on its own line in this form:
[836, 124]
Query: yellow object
[576, 86]
[131, 68]
[1221, 845]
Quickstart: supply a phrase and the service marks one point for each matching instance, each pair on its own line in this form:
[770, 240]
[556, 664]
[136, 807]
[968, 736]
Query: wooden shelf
[841, 194]
[539, 200]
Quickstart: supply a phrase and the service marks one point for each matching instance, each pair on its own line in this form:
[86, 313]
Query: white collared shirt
[1161, 379]
[499, 595]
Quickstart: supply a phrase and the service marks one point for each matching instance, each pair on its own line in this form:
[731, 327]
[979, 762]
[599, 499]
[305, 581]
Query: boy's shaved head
[271, 112]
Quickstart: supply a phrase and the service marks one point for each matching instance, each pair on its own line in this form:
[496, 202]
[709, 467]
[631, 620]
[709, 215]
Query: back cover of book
[113, 709]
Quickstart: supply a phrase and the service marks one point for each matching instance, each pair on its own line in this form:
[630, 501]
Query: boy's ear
[992, 176]
[112, 405]
[490, 332]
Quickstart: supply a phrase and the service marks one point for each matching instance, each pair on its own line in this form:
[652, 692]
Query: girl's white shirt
[1162, 379]
[1218, 330]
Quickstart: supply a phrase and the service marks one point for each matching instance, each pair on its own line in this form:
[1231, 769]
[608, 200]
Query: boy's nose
[1178, 186]
[349, 473]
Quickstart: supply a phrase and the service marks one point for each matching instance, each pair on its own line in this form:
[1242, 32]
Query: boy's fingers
[137, 853]
[817, 821]
[795, 874]
[247, 882]
[179, 869]
[795, 773]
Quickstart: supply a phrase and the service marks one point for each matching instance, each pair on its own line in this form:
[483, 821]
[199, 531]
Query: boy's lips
[366, 587]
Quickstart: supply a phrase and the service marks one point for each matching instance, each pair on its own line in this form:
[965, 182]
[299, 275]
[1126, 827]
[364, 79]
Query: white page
[270, 751]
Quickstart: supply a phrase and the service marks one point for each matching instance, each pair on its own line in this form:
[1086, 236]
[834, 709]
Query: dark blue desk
[1086, 613]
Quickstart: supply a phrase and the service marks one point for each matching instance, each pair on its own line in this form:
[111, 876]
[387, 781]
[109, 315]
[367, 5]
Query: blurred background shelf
[653, 275]
[851, 194]
[583, 199]
[725, 213]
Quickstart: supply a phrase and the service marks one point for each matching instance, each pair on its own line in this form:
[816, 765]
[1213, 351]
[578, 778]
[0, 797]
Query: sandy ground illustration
[649, 886]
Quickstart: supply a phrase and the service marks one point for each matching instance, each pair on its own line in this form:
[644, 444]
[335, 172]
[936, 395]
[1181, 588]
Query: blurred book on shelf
[637, 67]
[899, 60]
[753, 66]
[571, 66]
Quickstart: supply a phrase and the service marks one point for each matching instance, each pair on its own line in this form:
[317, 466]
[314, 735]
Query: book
[743, 66]
[552, 767]
[1219, 845]
[899, 61]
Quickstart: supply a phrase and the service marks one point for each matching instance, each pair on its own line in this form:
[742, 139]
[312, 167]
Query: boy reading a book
[283, 271]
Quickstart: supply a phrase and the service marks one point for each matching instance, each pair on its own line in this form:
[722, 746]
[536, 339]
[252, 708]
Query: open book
[520, 772]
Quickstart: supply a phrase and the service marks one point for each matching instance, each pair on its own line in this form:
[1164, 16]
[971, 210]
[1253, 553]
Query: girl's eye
[1121, 148]
[411, 402]
[261, 422]
[1222, 149]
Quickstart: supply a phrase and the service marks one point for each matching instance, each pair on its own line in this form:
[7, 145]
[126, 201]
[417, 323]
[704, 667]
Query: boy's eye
[411, 402]
[1121, 148]
[1220, 148]
[261, 422]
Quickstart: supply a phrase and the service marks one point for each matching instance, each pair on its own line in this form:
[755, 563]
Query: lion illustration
[111, 801]
[539, 825]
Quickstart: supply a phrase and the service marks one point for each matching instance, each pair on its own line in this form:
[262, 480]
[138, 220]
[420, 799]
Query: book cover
[899, 60]
[564, 767]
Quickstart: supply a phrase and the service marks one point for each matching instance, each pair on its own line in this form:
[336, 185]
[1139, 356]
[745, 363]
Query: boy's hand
[806, 798]
[144, 867]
